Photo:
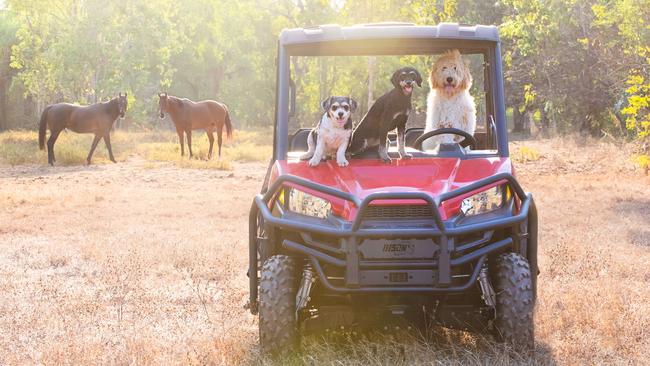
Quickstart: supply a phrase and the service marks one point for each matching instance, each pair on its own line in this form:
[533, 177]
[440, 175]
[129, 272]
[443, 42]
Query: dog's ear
[325, 104]
[395, 78]
[433, 82]
[353, 105]
[418, 77]
[466, 83]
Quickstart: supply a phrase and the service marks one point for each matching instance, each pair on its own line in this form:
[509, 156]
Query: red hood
[362, 177]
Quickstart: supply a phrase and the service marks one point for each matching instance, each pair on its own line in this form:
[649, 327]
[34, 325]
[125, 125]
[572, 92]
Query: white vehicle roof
[375, 31]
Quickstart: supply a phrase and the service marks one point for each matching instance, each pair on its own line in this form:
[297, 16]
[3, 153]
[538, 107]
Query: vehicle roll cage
[524, 238]
[387, 40]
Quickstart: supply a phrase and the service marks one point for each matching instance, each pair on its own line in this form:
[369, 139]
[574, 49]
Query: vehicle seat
[409, 137]
[412, 134]
[481, 140]
[298, 141]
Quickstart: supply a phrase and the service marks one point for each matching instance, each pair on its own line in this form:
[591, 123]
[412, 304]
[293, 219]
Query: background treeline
[571, 65]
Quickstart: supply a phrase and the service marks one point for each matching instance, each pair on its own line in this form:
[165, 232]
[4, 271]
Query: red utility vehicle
[448, 236]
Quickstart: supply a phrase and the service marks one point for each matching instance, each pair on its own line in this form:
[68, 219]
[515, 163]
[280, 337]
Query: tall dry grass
[123, 264]
[21, 147]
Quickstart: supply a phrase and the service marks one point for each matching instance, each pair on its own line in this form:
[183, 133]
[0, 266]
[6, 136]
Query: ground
[134, 263]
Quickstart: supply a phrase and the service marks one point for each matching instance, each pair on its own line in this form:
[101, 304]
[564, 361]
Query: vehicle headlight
[486, 201]
[307, 204]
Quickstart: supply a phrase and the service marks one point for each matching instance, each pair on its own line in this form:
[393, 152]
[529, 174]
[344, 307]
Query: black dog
[390, 111]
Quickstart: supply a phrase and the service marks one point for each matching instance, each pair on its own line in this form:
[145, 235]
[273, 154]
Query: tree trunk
[517, 120]
[5, 78]
[28, 111]
[529, 124]
[371, 80]
[545, 122]
[3, 103]
[322, 79]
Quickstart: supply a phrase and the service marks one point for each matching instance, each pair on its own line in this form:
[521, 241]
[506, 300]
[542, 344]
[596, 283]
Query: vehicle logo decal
[398, 249]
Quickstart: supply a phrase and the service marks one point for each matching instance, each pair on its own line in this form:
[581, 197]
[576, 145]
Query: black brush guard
[524, 238]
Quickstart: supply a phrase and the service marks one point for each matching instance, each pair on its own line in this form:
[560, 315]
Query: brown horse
[97, 118]
[188, 115]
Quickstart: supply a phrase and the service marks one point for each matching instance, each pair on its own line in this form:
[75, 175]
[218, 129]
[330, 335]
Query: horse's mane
[113, 102]
[180, 99]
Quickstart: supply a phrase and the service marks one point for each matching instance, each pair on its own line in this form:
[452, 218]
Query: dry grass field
[71, 149]
[144, 261]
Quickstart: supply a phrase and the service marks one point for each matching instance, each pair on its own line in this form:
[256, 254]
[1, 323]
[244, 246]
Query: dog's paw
[405, 156]
[385, 159]
[314, 162]
[342, 162]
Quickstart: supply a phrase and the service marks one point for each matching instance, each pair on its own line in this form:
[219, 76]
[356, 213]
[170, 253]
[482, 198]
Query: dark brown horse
[97, 118]
[188, 115]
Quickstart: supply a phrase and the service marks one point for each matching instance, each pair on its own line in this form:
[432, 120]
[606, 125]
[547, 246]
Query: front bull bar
[526, 219]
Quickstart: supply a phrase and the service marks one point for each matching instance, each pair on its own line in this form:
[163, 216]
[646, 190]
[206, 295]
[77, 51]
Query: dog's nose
[450, 79]
[340, 114]
[409, 82]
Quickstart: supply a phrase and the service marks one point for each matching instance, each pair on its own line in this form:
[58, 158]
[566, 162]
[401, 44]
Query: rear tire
[278, 288]
[515, 302]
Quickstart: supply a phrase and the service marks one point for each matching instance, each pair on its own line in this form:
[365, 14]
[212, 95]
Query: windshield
[364, 79]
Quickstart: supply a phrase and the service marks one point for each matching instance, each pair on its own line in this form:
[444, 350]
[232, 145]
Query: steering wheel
[468, 140]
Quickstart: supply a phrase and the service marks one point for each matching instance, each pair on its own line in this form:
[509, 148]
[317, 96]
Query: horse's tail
[228, 124]
[42, 128]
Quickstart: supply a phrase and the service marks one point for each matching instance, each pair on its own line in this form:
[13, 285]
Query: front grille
[398, 212]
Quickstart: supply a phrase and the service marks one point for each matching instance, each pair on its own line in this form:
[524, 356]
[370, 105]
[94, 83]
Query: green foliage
[575, 57]
[637, 115]
[578, 65]
[638, 108]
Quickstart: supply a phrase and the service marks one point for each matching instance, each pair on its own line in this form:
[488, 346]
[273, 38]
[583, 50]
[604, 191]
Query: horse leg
[188, 132]
[54, 134]
[219, 139]
[211, 139]
[107, 141]
[92, 147]
[180, 138]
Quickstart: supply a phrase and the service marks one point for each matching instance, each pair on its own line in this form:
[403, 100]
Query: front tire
[515, 302]
[278, 288]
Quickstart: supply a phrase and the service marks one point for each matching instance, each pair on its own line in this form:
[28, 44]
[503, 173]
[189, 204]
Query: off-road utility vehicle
[447, 236]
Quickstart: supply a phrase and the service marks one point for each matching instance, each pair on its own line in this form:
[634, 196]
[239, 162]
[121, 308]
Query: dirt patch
[129, 263]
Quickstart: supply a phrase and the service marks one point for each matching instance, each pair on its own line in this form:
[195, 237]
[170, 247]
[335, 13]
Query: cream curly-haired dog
[449, 103]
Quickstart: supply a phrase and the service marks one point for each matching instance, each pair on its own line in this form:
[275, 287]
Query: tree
[580, 65]
[7, 38]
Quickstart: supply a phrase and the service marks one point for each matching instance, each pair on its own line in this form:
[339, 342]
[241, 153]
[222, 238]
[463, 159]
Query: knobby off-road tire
[278, 288]
[515, 302]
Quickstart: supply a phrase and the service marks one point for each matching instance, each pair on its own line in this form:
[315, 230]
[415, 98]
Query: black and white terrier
[332, 133]
[390, 111]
